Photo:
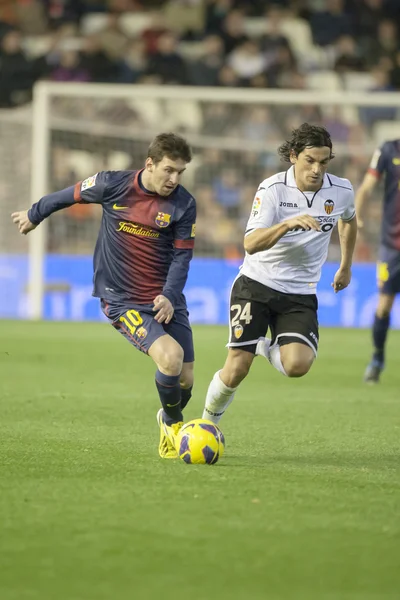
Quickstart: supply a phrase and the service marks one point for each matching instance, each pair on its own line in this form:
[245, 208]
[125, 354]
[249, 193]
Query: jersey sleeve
[263, 211]
[379, 161]
[350, 212]
[185, 228]
[91, 190]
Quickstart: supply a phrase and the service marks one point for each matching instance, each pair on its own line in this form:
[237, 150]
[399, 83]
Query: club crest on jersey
[238, 331]
[329, 205]
[141, 333]
[163, 219]
[255, 209]
[88, 183]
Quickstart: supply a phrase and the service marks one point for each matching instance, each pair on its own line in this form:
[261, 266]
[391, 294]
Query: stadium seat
[191, 50]
[93, 23]
[298, 33]
[82, 163]
[358, 82]
[324, 80]
[254, 27]
[149, 111]
[132, 24]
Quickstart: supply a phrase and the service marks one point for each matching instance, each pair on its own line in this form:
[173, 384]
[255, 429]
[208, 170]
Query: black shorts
[254, 308]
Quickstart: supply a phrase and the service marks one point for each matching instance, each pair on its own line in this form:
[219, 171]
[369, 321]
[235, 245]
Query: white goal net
[80, 129]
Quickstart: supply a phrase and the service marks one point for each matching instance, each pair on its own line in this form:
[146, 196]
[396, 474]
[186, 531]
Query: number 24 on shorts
[242, 314]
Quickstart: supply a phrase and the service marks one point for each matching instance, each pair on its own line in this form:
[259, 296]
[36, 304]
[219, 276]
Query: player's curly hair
[306, 136]
[171, 145]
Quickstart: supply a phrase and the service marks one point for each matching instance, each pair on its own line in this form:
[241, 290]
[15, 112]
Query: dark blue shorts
[137, 324]
[388, 271]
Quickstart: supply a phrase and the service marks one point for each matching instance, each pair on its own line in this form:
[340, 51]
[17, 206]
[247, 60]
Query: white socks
[219, 396]
[272, 353]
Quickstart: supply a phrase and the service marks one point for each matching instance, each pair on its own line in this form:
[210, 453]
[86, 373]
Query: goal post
[81, 128]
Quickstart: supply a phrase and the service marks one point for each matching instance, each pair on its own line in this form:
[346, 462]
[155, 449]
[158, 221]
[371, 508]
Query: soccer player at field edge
[141, 263]
[286, 243]
[386, 160]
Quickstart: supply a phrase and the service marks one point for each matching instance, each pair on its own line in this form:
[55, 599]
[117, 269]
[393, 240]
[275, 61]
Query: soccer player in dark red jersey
[141, 264]
[385, 161]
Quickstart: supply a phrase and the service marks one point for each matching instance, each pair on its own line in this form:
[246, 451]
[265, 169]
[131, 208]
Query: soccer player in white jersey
[286, 243]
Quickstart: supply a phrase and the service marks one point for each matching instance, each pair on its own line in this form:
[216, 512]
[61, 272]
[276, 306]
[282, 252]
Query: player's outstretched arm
[362, 196]
[22, 221]
[347, 239]
[265, 238]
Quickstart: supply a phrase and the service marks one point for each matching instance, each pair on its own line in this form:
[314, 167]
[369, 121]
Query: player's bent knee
[297, 367]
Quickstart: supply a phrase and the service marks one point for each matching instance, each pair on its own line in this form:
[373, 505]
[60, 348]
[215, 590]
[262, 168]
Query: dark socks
[379, 334]
[170, 395]
[186, 394]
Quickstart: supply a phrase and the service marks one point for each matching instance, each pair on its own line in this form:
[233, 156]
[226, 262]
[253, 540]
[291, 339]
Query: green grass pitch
[304, 505]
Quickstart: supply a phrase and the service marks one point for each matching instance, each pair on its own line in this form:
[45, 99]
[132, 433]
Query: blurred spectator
[347, 57]
[283, 66]
[228, 78]
[17, 72]
[135, 62]
[384, 45]
[166, 63]
[60, 12]
[154, 31]
[204, 71]
[394, 74]
[258, 124]
[247, 60]
[209, 167]
[328, 25]
[232, 31]
[216, 11]
[226, 188]
[113, 39]
[99, 66]
[69, 68]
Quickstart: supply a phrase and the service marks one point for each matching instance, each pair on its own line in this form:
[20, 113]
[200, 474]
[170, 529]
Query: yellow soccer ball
[200, 442]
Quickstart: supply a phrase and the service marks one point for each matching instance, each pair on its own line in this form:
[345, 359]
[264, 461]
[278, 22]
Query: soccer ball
[200, 442]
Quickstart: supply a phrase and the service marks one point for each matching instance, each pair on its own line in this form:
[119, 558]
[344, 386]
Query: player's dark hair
[171, 145]
[306, 136]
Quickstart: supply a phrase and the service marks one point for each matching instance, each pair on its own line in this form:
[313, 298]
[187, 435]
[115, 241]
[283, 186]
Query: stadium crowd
[287, 44]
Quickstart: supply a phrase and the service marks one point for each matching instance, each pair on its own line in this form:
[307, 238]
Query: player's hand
[341, 280]
[304, 222]
[164, 308]
[24, 225]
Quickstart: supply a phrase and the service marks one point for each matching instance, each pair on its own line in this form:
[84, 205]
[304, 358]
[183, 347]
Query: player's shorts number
[242, 314]
[383, 272]
[132, 320]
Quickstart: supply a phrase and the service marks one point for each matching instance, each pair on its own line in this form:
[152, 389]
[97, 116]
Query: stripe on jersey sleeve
[184, 244]
[77, 192]
[374, 172]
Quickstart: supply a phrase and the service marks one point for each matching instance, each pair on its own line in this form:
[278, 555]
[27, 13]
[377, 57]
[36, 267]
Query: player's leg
[138, 326]
[224, 384]
[295, 335]
[179, 328]
[380, 330]
[249, 319]
[388, 279]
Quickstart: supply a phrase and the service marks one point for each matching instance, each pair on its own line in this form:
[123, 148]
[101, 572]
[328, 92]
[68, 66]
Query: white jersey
[294, 264]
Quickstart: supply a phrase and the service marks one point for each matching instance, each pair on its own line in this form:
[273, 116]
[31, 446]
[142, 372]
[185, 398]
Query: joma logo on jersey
[329, 206]
[134, 229]
[289, 204]
[163, 219]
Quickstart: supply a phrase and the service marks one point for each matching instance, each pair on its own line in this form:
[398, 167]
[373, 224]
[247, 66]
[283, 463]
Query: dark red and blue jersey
[386, 160]
[145, 242]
